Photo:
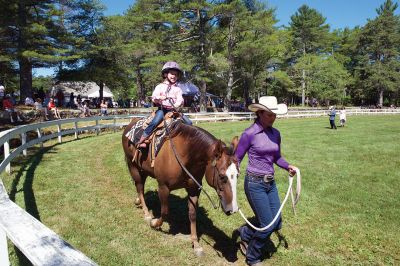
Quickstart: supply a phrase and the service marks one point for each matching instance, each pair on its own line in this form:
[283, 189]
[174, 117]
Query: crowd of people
[47, 105]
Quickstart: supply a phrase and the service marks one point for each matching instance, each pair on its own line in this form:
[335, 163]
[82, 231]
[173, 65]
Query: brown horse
[201, 154]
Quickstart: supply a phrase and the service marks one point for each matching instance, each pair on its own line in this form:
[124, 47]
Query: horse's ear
[234, 143]
[219, 148]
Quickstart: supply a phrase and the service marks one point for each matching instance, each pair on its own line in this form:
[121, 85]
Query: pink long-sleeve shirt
[175, 93]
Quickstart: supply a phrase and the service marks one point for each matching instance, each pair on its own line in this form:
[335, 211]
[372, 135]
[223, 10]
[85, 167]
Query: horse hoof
[137, 202]
[198, 251]
[153, 224]
[148, 219]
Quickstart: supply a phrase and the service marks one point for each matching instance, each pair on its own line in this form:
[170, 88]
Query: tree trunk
[228, 97]
[101, 86]
[231, 46]
[140, 86]
[381, 97]
[303, 88]
[25, 78]
[25, 66]
[203, 96]
[303, 80]
[203, 60]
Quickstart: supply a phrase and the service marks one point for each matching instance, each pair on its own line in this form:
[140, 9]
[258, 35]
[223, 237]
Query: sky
[338, 13]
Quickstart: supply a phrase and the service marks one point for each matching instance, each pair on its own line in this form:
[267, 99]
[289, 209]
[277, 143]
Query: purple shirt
[263, 148]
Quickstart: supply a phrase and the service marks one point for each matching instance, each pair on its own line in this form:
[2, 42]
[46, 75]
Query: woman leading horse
[178, 166]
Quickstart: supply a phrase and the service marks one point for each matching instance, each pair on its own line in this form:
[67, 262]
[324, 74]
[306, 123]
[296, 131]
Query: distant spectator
[9, 107]
[332, 115]
[41, 94]
[342, 116]
[52, 107]
[85, 110]
[60, 98]
[103, 107]
[78, 100]
[29, 101]
[42, 111]
[2, 93]
[12, 98]
[71, 103]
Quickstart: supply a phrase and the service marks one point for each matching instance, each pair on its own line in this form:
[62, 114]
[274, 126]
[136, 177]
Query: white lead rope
[294, 202]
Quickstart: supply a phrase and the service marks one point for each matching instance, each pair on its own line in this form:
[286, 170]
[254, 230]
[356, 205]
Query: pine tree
[310, 36]
[378, 54]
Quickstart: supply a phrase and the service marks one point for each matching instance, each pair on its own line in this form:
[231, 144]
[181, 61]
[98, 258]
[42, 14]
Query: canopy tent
[188, 89]
[84, 89]
[96, 94]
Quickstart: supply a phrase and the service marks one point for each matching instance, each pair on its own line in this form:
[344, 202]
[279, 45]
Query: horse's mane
[200, 139]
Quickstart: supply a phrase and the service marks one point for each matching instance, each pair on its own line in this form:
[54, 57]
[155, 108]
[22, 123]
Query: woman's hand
[292, 170]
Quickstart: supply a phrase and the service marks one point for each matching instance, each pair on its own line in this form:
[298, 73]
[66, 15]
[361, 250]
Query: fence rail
[41, 245]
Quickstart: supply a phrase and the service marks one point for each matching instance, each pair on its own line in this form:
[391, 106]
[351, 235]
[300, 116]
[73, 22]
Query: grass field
[348, 212]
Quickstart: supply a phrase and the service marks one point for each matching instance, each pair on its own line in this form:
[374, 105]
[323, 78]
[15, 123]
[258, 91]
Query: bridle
[184, 168]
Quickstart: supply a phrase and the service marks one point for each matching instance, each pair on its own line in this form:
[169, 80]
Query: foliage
[326, 78]
[229, 48]
[378, 58]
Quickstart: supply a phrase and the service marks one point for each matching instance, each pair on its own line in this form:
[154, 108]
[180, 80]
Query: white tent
[96, 94]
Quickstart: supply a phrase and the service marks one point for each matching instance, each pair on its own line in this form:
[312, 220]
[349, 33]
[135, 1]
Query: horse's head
[222, 172]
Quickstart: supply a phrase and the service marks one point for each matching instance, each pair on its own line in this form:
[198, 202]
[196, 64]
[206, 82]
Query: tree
[310, 36]
[327, 79]
[378, 67]
[38, 34]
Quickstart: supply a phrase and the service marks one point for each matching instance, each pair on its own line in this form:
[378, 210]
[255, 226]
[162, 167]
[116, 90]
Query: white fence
[38, 243]
[235, 116]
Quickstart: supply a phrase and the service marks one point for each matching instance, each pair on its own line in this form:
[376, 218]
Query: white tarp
[96, 94]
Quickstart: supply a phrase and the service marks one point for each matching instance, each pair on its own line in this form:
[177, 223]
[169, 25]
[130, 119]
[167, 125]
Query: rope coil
[294, 202]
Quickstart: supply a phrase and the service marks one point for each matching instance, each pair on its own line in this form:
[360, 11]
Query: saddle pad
[159, 134]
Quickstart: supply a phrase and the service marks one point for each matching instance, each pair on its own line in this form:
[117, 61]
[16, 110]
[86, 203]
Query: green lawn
[348, 212]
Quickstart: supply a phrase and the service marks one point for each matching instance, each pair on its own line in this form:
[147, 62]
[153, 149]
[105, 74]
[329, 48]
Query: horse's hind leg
[139, 181]
[163, 193]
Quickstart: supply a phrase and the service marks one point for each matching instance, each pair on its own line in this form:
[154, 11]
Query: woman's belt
[267, 177]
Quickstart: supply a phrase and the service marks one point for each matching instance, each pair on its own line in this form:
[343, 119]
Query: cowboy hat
[270, 104]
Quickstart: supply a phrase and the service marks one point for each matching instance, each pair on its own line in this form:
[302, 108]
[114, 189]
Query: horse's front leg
[192, 204]
[163, 193]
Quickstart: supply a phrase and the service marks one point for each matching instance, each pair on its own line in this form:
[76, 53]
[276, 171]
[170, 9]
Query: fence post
[39, 134]
[76, 129]
[23, 141]
[3, 249]
[97, 127]
[59, 133]
[6, 154]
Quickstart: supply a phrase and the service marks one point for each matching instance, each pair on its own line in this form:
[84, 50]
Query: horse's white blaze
[232, 174]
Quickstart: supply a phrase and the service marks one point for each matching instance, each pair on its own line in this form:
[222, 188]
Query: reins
[180, 162]
[294, 202]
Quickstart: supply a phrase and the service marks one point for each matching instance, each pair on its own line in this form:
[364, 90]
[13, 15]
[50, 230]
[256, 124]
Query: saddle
[157, 138]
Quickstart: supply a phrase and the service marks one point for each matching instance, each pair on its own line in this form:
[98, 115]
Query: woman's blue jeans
[157, 120]
[264, 200]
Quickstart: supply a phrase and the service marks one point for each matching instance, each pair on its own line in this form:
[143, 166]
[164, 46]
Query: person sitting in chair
[9, 107]
[167, 96]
